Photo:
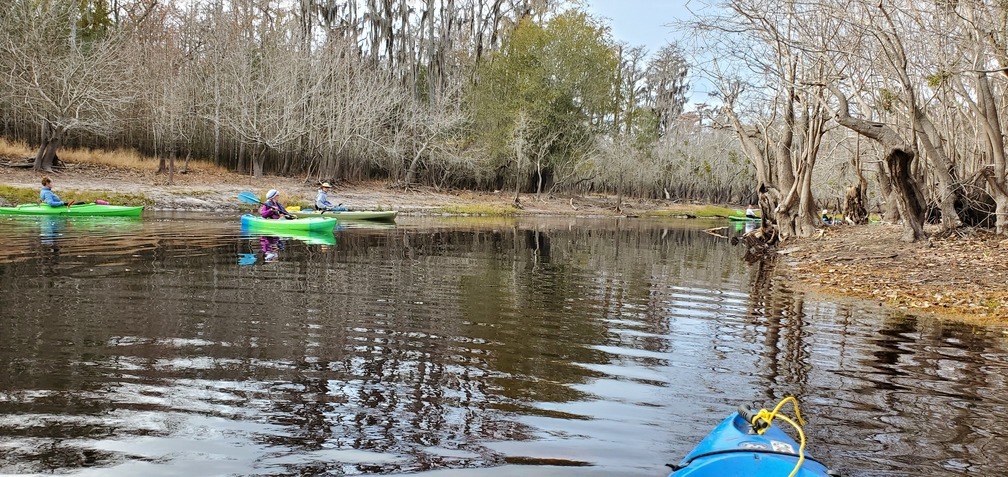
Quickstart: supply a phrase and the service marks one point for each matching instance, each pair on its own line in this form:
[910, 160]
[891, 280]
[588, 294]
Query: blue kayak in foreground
[736, 449]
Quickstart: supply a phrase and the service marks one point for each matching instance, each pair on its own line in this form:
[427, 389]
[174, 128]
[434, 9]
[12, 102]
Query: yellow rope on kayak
[769, 416]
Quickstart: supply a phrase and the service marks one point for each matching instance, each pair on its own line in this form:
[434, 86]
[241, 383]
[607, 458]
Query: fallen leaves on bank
[964, 275]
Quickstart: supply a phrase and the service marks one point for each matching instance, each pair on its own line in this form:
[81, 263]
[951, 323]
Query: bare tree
[987, 37]
[63, 78]
[773, 98]
[267, 86]
[895, 54]
[433, 132]
[619, 164]
[356, 115]
[702, 164]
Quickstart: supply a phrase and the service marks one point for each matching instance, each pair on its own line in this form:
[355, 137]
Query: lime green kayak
[742, 218]
[75, 210]
[376, 215]
[314, 224]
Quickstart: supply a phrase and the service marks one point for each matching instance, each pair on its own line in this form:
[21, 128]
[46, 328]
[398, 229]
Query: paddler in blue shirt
[322, 199]
[49, 197]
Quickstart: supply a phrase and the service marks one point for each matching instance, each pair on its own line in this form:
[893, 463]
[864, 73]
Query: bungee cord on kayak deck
[749, 443]
[762, 420]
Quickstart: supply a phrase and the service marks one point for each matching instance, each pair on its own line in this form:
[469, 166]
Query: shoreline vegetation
[958, 277]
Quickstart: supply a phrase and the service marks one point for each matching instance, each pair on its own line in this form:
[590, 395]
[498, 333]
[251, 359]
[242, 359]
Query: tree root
[760, 243]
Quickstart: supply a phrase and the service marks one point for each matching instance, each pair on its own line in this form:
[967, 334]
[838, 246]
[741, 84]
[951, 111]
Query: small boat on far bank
[81, 210]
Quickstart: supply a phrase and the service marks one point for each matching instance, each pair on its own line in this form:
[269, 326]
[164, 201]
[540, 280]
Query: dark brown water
[174, 345]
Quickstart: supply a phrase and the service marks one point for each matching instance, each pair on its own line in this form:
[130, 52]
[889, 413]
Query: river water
[176, 345]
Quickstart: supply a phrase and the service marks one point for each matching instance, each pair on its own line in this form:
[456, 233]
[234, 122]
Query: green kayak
[314, 224]
[742, 218]
[375, 215]
[75, 210]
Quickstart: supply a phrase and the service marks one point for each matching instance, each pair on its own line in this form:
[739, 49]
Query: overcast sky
[642, 22]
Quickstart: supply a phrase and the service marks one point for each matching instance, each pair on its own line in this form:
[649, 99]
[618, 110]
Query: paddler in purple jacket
[272, 208]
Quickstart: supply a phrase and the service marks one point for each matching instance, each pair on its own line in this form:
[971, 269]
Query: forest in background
[527, 96]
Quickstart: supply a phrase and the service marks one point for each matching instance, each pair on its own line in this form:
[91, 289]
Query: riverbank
[961, 277]
[211, 189]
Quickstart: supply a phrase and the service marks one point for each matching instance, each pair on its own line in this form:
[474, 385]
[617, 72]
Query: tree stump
[854, 210]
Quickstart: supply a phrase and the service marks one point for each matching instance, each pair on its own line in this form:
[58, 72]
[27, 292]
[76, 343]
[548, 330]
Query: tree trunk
[889, 210]
[619, 195]
[240, 162]
[258, 160]
[539, 184]
[997, 173]
[854, 210]
[998, 190]
[768, 198]
[795, 212]
[517, 186]
[1001, 214]
[948, 186]
[897, 159]
[172, 151]
[46, 157]
[412, 170]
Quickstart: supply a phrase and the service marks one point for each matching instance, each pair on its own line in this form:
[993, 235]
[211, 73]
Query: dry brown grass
[119, 158]
[130, 159]
[14, 148]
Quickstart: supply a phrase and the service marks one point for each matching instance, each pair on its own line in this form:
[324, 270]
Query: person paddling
[322, 199]
[750, 212]
[49, 197]
[272, 208]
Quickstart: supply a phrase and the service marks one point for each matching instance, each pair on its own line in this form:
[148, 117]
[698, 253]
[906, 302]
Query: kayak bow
[747, 444]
